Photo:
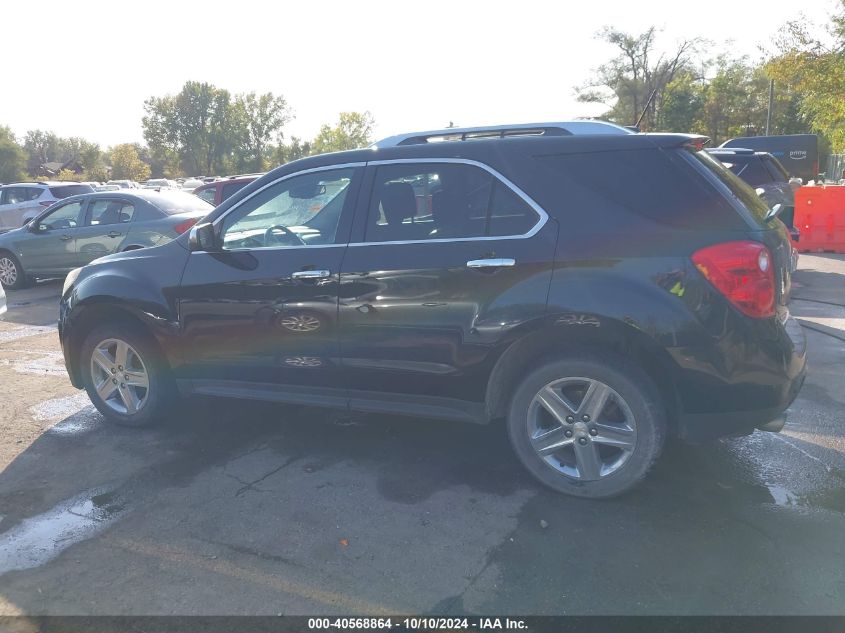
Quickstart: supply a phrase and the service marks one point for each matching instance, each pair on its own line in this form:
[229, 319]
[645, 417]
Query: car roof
[481, 149]
[44, 183]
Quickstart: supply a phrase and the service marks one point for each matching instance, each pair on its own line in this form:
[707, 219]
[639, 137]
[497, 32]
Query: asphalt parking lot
[234, 508]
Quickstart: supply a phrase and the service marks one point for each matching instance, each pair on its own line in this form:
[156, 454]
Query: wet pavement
[246, 508]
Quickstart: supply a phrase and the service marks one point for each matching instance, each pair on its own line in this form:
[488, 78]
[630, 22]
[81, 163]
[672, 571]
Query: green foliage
[12, 157]
[353, 131]
[127, 164]
[100, 173]
[198, 125]
[816, 72]
[259, 119]
[725, 97]
[67, 175]
[296, 149]
[628, 80]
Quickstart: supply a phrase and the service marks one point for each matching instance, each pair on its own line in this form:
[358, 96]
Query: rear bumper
[755, 394]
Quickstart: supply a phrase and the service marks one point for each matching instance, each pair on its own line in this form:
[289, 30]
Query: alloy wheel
[120, 376]
[300, 323]
[581, 428]
[8, 271]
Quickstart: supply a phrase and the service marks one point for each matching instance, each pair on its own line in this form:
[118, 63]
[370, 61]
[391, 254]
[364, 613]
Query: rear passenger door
[106, 225]
[447, 260]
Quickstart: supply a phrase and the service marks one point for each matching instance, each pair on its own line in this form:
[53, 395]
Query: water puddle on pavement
[41, 538]
[47, 363]
[59, 408]
[25, 331]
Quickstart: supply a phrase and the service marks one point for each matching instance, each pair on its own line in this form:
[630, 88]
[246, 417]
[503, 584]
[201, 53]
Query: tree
[199, 125]
[296, 149]
[260, 119]
[683, 99]
[126, 164]
[629, 79]
[40, 147]
[816, 72]
[12, 157]
[67, 175]
[353, 131]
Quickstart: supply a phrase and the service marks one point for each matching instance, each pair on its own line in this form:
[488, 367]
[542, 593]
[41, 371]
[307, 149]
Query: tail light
[743, 272]
[184, 226]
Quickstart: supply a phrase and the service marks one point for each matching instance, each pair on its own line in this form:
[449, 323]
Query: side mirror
[34, 227]
[202, 238]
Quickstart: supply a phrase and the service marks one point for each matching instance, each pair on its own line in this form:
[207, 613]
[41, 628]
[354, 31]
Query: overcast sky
[84, 68]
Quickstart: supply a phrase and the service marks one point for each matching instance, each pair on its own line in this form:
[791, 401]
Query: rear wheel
[589, 426]
[125, 375]
[12, 274]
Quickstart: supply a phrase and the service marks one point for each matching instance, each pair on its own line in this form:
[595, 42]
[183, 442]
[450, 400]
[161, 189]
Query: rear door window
[33, 193]
[427, 201]
[103, 212]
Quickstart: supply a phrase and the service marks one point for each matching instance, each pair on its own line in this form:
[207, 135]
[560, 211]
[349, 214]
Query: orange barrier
[820, 216]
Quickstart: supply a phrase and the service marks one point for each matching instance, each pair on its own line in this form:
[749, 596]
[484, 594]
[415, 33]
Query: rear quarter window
[616, 187]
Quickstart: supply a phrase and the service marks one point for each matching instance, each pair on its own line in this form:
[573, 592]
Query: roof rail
[560, 128]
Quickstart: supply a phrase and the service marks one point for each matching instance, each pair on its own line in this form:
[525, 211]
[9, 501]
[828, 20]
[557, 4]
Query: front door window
[299, 211]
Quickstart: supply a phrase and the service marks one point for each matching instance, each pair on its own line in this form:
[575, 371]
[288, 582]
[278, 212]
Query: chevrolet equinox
[596, 289]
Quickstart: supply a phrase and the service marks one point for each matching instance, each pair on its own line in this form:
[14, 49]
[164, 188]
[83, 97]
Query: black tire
[159, 397]
[21, 279]
[640, 398]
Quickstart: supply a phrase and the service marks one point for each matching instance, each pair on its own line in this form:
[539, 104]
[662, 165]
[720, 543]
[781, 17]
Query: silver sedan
[77, 230]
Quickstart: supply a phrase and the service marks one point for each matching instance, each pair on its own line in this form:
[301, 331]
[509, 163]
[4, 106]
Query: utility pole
[771, 100]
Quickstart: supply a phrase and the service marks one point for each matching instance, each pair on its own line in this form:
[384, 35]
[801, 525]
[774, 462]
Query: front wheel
[125, 375]
[589, 425]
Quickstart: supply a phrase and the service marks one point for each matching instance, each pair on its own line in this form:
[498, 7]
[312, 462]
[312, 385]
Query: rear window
[775, 169]
[63, 191]
[737, 186]
[180, 202]
[654, 184]
[749, 168]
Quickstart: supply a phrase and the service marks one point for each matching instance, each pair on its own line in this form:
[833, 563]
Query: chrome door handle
[311, 274]
[115, 234]
[65, 238]
[491, 263]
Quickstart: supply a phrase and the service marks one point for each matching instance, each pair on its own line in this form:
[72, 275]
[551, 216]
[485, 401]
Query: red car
[217, 191]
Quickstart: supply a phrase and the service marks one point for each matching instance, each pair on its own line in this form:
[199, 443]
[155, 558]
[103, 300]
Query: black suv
[595, 288]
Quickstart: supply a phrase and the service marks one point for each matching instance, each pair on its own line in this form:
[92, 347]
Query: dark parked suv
[595, 288]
